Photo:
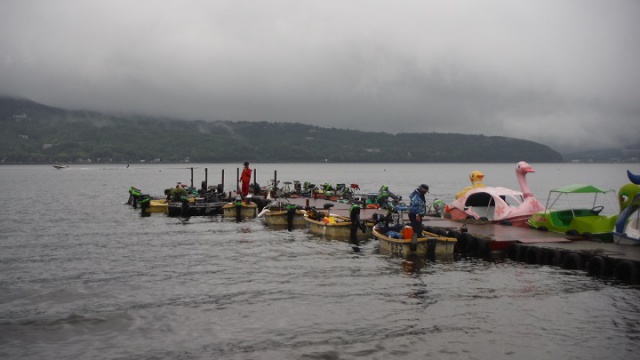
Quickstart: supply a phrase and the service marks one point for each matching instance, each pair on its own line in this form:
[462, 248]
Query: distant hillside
[627, 154]
[35, 133]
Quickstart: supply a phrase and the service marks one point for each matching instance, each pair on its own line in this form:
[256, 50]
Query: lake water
[83, 276]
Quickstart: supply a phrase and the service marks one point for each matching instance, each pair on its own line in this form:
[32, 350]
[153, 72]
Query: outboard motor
[134, 194]
[327, 206]
[145, 202]
[291, 212]
[238, 203]
[184, 210]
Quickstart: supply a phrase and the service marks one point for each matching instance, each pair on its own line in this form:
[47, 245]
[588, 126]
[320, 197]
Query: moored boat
[562, 216]
[497, 204]
[429, 244]
[280, 214]
[336, 227]
[157, 206]
[239, 209]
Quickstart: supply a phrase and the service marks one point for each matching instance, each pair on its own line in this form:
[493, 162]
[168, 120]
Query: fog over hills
[36, 133]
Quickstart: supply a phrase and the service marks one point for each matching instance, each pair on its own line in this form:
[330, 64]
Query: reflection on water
[84, 276]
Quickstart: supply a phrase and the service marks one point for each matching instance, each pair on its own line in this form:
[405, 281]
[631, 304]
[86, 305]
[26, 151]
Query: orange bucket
[407, 232]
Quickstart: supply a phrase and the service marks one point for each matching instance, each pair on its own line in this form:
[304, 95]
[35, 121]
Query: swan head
[522, 167]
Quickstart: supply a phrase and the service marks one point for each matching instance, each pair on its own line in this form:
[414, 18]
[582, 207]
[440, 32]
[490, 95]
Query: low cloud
[560, 73]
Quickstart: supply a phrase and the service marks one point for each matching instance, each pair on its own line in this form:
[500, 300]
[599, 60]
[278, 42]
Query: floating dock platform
[493, 241]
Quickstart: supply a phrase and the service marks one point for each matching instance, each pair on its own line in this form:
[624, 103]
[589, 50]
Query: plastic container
[407, 232]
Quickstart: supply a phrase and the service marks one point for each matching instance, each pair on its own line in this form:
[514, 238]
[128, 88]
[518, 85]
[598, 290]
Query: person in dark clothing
[417, 209]
[384, 194]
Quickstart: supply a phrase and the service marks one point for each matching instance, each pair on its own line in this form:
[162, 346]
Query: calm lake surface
[83, 276]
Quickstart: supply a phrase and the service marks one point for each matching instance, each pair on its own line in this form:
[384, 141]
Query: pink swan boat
[498, 204]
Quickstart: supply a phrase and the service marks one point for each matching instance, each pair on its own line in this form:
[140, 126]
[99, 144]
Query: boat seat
[563, 217]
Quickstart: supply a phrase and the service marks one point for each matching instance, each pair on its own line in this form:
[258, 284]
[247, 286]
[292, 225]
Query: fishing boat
[195, 207]
[240, 209]
[399, 243]
[563, 215]
[281, 214]
[60, 166]
[497, 204]
[156, 206]
[337, 227]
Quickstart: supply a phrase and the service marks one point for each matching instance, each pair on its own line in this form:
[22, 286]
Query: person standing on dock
[245, 178]
[417, 209]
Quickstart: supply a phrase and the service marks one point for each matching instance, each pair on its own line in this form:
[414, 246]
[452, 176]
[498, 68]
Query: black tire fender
[483, 249]
[627, 271]
[512, 251]
[596, 266]
[464, 243]
[555, 257]
[533, 255]
[572, 261]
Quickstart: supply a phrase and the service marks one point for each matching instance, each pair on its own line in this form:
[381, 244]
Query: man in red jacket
[245, 178]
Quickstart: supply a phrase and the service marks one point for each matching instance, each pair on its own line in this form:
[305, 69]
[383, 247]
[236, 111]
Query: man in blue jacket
[417, 209]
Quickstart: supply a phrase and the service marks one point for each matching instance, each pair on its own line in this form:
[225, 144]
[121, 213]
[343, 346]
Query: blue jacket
[418, 204]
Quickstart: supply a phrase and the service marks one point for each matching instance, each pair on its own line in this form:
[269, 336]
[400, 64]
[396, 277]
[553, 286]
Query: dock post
[275, 183]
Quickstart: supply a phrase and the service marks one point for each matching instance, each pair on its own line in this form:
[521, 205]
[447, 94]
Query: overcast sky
[565, 73]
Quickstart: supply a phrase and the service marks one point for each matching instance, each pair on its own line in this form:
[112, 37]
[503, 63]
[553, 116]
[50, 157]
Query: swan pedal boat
[444, 245]
[336, 227]
[497, 205]
[585, 221]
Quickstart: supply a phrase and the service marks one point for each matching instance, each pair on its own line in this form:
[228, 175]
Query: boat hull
[580, 222]
[338, 230]
[279, 219]
[157, 207]
[444, 248]
[248, 210]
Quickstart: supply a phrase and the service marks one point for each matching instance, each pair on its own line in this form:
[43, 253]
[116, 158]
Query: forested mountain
[35, 133]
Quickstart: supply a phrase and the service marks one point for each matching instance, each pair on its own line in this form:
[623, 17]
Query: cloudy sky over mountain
[562, 72]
